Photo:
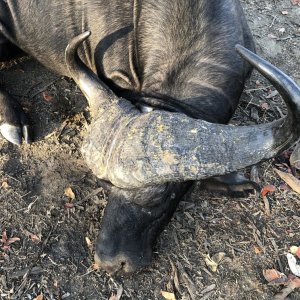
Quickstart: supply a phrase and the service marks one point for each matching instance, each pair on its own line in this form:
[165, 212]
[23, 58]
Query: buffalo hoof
[234, 184]
[14, 123]
[129, 230]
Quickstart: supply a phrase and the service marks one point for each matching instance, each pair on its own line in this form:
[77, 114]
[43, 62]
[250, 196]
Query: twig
[174, 276]
[205, 297]
[188, 282]
[273, 21]
[287, 38]
[208, 289]
[39, 254]
[92, 194]
[277, 255]
[16, 294]
[44, 88]
[258, 89]
[207, 272]
[267, 206]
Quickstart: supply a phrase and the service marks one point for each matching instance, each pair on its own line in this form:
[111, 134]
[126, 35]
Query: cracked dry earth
[54, 254]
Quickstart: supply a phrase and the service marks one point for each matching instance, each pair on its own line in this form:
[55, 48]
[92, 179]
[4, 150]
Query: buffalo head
[148, 151]
[133, 149]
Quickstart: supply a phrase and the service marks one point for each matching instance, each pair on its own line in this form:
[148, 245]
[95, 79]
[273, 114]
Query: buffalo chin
[129, 230]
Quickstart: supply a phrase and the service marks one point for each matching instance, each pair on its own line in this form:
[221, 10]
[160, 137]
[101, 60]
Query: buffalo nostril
[123, 267]
[127, 268]
[113, 265]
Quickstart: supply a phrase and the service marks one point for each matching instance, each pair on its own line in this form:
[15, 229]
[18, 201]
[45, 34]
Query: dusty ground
[53, 257]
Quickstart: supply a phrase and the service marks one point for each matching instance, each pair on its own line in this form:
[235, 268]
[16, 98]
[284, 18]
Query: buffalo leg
[234, 184]
[13, 121]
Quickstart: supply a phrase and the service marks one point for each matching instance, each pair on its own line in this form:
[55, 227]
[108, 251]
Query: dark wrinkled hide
[134, 228]
[181, 55]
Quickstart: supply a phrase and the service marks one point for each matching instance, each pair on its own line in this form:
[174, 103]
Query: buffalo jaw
[134, 150]
[131, 223]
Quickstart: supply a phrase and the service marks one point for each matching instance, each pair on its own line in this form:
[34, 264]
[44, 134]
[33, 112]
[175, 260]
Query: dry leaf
[285, 12]
[95, 266]
[284, 187]
[47, 97]
[272, 36]
[268, 189]
[213, 266]
[7, 241]
[39, 297]
[12, 240]
[272, 94]
[294, 249]
[258, 250]
[265, 106]
[88, 242]
[113, 297]
[69, 205]
[116, 295]
[5, 185]
[295, 269]
[272, 274]
[168, 296]
[4, 237]
[69, 193]
[295, 2]
[293, 284]
[34, 238]
[291, 180]
[217, 258]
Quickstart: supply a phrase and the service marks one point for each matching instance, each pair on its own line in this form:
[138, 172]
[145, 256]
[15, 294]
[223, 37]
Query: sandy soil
[55, 253]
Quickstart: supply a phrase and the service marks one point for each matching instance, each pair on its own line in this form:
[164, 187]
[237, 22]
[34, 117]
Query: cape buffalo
[162, 79]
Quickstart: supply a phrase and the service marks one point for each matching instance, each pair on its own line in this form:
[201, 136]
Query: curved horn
[133, 150]
[287, 88]
[95, 91]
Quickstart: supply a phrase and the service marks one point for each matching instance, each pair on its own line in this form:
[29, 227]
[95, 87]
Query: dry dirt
[53, 257]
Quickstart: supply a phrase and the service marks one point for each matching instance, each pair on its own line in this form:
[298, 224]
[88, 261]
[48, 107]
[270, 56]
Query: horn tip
[76, 41]
[83, 36]
[87, 33]
[240, 49]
